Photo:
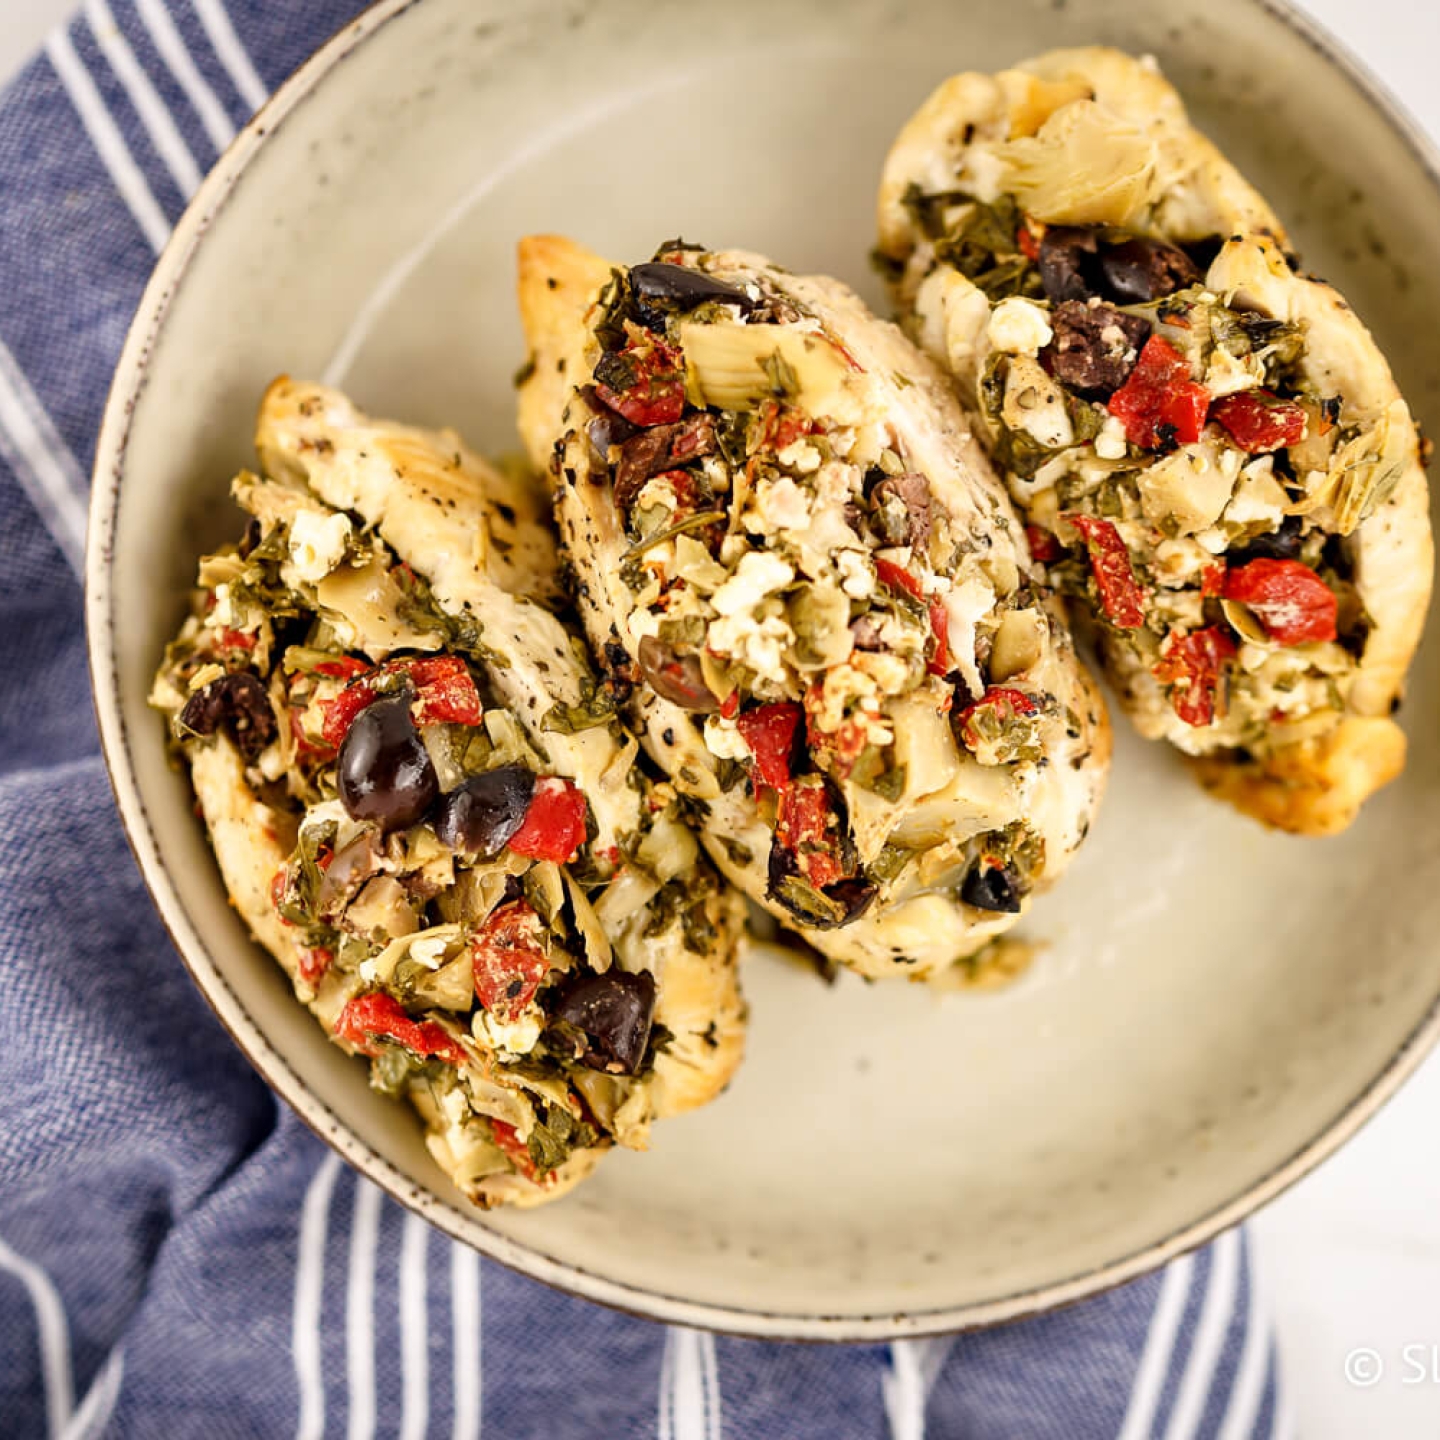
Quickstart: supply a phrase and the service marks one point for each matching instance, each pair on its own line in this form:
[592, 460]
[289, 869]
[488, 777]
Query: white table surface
[1351, 1256]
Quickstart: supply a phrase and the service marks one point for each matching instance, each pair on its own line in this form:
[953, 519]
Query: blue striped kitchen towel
[179, 1257]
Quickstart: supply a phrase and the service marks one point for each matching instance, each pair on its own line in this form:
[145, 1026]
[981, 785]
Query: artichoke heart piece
[737, 367]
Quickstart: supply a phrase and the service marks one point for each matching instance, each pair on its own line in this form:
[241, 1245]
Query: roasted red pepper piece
[803, 826]
[313, 962]
[508, 959]
[1029, 245]
[377, 1016]
[444, 694]
[897, 577]
[342, 667]
[1290, 600]
[1002, 699]
[1193, 665]
[781, 426]
[1160, 401]
[1258, 421]
[654, 389]
[939, 661]
[554, 825]
[507, 1137]
[1044, 547]
[1121, 597]
[770, 733]
[1212, 578]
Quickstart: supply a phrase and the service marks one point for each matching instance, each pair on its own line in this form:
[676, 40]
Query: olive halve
[480, 815]
[238, 702]
[674, 676]
[613, 1012]
[661, 289]
[1138, 270]
[384, 773]
[991, 887]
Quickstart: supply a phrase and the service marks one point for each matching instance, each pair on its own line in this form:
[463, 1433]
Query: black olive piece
[901, 505]
[606, 430]
[480, 815]
[1202, 253]
[675, 677]
[1068, 262]
[614, 1012]
[829, 909]
[990, 887]
[384, 773]
[1094, 348]
[1281, 544]
[662, 447]
[1138, 270]
[237, 702]
[345, 876]
[661, 289]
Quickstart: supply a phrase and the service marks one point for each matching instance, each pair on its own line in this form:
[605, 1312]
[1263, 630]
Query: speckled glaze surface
[1215, 1009]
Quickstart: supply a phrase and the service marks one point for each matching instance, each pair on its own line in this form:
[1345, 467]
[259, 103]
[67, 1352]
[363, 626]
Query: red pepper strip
[314, 962]
[1258, 421]
[237, 640]
[939, 661]
[377, 1016]
[1121, 597]
[1006, 702]
[1193, 665]
[1160, 397]
[444, 693]
[1212, 578]
[770, 733]
[1290, 600]
[656, 395]
[897, 577]
[1043, 545]
[343, 667]
[1029, 246]
[507, 1137]
[508, 959]
[554, 825]
[802, 825]
[730, 706]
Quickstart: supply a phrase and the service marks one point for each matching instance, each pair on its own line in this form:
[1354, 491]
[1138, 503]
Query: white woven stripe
[689, 1404]
[465, 1340]
[54, 1337]
[1159, 1351]
[42, 463]
[90, 1420]
[159, 125]
[232, 55]
[414, 1329]
[360, 1310]
[309, 1290]
[1208, 1345]
[108, 142]
[179, 62]
[710, 1364]
[1247, 1394]
[903, 1388]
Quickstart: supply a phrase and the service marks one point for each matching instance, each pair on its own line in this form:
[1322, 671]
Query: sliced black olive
[675, 677]
[991, 888]
[661, 290]
[662, 447]
[901, 506]
[1202, 253]
[239, 703]
[1094, 348]
[1068, 268]
[606, 429]
[350, 867]
[1281, 544]
[480, 815]
[1138, 270]
[384, 773]
[613, 1012]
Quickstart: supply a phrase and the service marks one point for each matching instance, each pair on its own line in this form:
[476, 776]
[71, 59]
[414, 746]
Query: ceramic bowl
[1215, 1009]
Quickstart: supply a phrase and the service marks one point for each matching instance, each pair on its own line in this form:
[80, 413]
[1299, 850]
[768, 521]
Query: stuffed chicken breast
[423, 806]
[1209, 448]
[804, 580]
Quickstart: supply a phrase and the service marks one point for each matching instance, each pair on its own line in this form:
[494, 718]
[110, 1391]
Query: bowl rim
[130, 380]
